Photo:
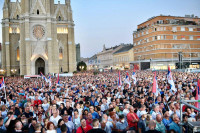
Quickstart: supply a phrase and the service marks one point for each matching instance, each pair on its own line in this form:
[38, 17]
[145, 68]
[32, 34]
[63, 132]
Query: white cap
[143, 113]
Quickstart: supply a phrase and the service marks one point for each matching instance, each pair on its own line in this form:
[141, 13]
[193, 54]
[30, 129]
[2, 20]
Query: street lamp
[2, 71]
[13, 71]
[81, 67]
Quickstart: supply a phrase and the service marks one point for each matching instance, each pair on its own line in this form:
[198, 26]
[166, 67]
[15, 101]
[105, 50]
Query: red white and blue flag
[127, 79]
[2, 85]
[170, 80]
[197, 94]
[134, 76]
[155, 85]
[119, 79]
[43, 77]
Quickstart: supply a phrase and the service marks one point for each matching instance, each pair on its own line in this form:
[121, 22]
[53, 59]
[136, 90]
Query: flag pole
[4, 89]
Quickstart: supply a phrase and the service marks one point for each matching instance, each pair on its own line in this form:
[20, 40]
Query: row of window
[60, 54]
[165, 55]
[14, 30]
[167, 37]
[167, 46]
[121, 59]
[174, 29]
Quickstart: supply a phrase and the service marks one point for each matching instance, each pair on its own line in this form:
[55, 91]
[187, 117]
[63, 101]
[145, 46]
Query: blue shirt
[174, 126]
[167, 122]
[95, 115]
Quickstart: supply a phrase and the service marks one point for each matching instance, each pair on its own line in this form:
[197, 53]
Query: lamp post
[81, 67]
[13, 71]
[2, 72]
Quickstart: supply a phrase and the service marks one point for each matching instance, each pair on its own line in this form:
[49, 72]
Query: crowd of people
[95, 103]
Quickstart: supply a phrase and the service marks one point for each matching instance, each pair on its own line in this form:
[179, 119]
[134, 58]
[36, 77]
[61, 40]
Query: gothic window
[18, 55]
[38, 12]
[17, 16]
[60, 53]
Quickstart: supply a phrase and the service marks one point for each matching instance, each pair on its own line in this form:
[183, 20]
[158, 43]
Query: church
[37, 36]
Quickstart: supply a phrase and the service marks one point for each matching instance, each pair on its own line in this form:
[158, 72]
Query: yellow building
[123, 57]
[38, 36]
[163, 40]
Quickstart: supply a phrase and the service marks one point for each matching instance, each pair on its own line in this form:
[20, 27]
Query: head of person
[175, 118]
[121, 118]
[33, 122]
[166, 114]
[143, 114]
[60, 122]
[83, 123]
[91, 109]
[152, 125]
[89, 116]
[158, 118]
[18, 125]
[38, 127]
[65, 118]
[131, 109]
[63, 128]
[95, 123]
[156, 108]
[50, 126]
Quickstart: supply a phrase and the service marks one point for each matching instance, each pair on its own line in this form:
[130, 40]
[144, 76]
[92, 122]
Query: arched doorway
[39, 66]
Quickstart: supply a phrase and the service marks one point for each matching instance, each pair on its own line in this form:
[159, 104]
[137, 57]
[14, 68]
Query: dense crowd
[95, 103]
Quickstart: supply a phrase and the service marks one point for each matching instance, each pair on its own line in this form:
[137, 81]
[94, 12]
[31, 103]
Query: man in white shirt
[68, 123]
[55, 117]
[126, 110]
[155, 111]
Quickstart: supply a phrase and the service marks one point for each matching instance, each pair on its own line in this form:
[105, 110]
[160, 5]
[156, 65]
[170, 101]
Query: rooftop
[124, 49]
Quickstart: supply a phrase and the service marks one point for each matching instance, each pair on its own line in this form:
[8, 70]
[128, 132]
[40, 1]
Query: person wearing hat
[142, 122]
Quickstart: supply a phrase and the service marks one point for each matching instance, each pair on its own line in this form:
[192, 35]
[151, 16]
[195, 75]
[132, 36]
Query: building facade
[38, 36]
[167, 40]
[93, 63]
[105, 57]
[123, 57]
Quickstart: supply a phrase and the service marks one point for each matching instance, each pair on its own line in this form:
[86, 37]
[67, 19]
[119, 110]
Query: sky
[112, 22]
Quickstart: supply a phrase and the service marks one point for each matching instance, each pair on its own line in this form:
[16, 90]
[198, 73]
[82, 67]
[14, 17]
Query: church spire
[5, 6]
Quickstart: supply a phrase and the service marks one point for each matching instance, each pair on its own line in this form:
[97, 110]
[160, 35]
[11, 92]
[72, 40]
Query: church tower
[38, 36]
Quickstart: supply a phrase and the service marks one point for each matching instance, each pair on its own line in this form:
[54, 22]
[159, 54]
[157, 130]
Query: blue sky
[112, 22]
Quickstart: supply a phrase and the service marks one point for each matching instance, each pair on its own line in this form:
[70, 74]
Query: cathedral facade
[38, 36]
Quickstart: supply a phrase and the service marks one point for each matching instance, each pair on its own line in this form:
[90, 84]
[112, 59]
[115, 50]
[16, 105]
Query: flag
[2, 85]
[134, 76]
[170, 80]
[43, 77]
[58, 80]
[119, 79]
[155, 85]
[127, 80]
[49, 80]
[197, 94]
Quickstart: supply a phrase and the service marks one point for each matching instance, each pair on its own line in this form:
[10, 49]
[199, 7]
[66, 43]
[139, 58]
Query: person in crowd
[142, 122]
[174, 125]
[51, 127]
[151, 127]
[132, 119]
[167, 120]
[84, 128]
[96, 128]
[122, 124]
[159, 124]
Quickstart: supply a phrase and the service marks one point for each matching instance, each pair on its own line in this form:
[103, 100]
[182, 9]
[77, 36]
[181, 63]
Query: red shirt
[88, 122]
[87, 128]
[130, 118]
[37, 102]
